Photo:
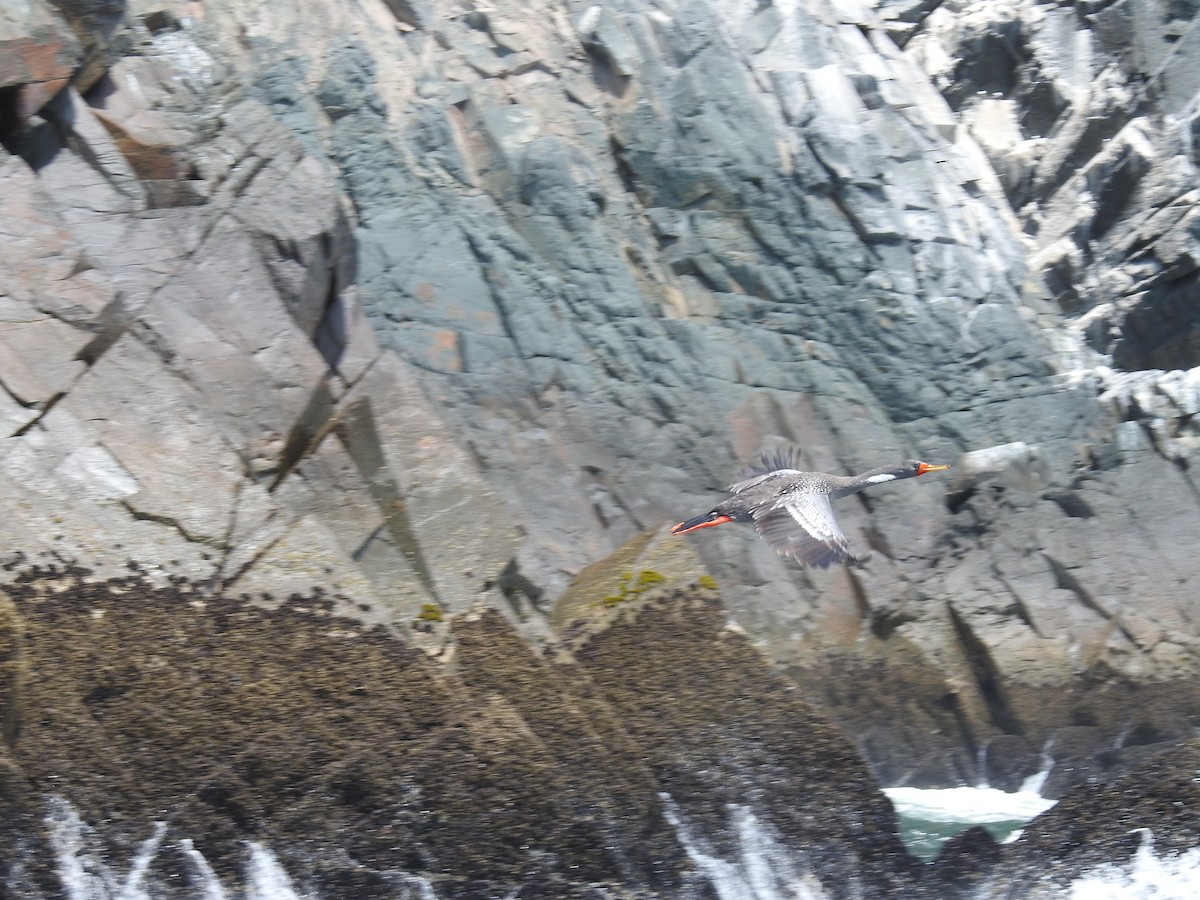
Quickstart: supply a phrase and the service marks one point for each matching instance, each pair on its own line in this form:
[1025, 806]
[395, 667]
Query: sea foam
[1149, 876]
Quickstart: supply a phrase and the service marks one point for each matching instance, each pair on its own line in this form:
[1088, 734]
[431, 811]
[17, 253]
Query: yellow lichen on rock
[648, 577]
[431, 612]
[644, 567]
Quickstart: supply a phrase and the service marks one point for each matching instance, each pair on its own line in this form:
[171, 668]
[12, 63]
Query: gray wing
[742, 486]
[770, 465]
[802, 526]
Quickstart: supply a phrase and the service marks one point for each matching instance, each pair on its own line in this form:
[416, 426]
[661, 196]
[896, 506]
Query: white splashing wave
[1149, 876]
[969, 805]
[764, 869]
[86, 870]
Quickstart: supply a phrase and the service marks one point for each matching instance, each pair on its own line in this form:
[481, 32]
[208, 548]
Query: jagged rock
[103, 31]
[965, 860]
[1111, 182]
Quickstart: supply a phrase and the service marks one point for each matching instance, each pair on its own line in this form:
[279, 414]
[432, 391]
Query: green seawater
[924, 837]
[930, 817]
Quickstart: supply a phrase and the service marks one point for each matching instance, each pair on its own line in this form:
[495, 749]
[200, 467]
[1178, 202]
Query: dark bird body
[791, 508]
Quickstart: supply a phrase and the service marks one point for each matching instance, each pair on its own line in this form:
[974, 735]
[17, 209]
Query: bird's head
[914, 467]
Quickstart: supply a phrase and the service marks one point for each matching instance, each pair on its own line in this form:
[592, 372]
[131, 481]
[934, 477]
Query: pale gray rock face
[404, 301]
[190, 385]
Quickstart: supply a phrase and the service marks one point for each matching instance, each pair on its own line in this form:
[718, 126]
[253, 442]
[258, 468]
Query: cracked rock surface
[434, 305]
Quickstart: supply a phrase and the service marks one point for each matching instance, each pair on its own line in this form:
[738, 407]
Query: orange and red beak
[925, 468]
[705, 521]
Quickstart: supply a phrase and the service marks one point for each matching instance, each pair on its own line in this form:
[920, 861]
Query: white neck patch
[880, 479]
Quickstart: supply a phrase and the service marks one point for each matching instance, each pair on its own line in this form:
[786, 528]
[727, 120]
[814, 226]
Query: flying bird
[791, 510]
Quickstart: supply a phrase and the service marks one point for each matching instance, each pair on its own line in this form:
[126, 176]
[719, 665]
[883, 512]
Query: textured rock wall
[433, 304]
[1087, 114]
[181, 333]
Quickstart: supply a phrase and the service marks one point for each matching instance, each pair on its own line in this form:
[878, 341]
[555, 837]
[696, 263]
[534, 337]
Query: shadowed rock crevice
[950, 702]
[1162, 331]
[143, 515]
[1067, 581]
[355, 428]
[109, 326]
[522, 594]
[406, 13]
[330, 335]
[312, 425]
[1071, 503]
[988, 678]
[12, 115]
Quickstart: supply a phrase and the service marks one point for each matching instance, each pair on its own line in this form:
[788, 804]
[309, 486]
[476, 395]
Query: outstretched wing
[802, 526]
[781, 462]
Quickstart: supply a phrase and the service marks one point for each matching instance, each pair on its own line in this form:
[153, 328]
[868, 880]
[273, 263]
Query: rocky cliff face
[430, 306]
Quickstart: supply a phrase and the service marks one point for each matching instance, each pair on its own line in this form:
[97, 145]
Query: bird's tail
[708, 520]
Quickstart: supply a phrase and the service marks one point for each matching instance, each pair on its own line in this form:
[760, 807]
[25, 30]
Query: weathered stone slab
[186, 474]
[329, 487]
[456, 530]
[39, 358]
[44, 266]
[299, 559]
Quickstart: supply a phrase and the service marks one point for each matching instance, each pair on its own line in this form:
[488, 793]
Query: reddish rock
[38, 53]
